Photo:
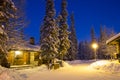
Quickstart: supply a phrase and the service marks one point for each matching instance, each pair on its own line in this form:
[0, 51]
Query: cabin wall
[117, 48]
[25, 58]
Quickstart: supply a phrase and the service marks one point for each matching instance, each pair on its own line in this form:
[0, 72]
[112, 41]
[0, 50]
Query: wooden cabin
[115, 40]
[28, 55]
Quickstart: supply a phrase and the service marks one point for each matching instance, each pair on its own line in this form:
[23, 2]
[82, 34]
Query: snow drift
[7, 74]
[104, 65]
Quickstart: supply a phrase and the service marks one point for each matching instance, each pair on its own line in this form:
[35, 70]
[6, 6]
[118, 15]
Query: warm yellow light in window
[18, 52]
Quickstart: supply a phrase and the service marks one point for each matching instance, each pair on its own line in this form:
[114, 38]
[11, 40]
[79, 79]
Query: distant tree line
[104, 51]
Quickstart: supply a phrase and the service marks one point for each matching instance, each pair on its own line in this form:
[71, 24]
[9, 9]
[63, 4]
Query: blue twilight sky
[87, 13]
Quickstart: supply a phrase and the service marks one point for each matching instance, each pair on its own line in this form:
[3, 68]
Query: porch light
[18, 53]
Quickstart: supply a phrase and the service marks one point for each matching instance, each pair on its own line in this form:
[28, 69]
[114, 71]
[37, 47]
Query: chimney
[32, 41]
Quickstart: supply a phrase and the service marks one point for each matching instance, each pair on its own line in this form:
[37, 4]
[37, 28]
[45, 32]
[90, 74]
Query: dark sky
[87, 13]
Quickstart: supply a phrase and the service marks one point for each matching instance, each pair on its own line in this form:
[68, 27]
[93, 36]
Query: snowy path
[75, 72]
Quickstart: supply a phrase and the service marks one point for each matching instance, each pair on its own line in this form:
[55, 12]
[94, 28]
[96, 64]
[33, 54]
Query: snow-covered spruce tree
[63, 32]
[93, 38]
[49, 34]
[102, 43]
[72, 52]
[105, 51]
[16, 27]
[7, 9]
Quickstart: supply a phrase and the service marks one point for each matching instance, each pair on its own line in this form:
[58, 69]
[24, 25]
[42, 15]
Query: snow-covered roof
[28, 47]
[113, 38]
[33, 47]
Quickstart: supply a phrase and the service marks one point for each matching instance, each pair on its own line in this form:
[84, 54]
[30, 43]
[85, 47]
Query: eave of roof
[113, 38]
[27, 47]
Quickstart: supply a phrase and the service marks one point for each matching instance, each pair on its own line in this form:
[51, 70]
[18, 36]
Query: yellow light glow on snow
[98, 64]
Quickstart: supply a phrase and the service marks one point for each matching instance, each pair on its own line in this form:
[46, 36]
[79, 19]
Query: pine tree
[105, 51]
[63, 32]
[72, 53]
[102, 43]
[49, 34]
[7, 9]
[93, 38]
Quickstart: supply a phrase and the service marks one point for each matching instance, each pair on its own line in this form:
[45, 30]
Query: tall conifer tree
[7, 9]
[49, 34]
[102, 43]
[63, 32]
[106, 51]
[72, 53]
[93, 38]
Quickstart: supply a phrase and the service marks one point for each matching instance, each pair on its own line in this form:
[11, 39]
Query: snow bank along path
[107, 66]
[7, 74]
[81, 71]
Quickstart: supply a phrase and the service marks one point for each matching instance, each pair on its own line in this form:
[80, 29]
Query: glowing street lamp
[95, 47]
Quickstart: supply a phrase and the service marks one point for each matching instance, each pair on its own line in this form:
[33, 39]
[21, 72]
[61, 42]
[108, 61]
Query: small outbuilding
[115, 40]
[24, 55]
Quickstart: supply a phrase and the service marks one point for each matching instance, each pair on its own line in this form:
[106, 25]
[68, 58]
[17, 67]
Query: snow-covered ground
[7, 74]
[72, 70]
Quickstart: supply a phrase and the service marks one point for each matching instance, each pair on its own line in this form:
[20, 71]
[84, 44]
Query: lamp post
[95, 47]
